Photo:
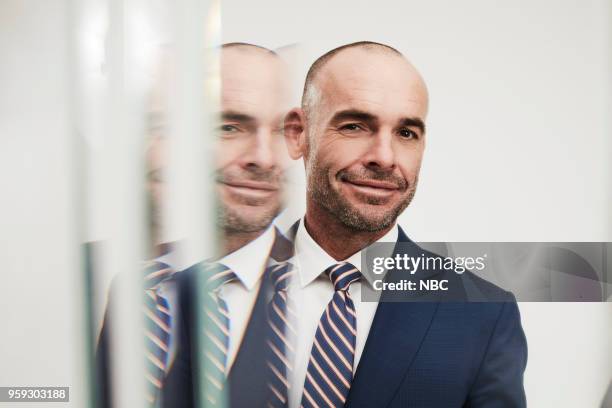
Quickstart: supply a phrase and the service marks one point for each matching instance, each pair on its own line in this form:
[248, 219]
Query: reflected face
[251, 153]
[156, 161]
[365, 137]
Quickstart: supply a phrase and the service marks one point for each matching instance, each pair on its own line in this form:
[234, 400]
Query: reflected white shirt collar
[312, 260]
[247, 262]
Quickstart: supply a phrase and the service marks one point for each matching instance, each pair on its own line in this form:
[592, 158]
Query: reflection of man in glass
[251, 151]
[156, 161]
[250, 158]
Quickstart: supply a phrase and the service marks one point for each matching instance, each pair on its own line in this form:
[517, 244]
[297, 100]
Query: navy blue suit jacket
[443, 349]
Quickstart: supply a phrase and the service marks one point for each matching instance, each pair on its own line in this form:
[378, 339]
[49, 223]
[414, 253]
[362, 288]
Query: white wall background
[40, 304]
[519, 139]
[518, 150]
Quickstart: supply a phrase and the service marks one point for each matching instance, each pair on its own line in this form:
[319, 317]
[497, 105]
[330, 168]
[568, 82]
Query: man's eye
[408, 134]
[351, 127]
[228, 128]
[156, 176]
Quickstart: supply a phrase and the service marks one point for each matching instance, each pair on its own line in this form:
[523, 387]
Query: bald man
[361, 134]
[251, 156]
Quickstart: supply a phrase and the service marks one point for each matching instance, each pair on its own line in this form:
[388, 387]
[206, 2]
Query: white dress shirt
[248, 263]
[311, 291]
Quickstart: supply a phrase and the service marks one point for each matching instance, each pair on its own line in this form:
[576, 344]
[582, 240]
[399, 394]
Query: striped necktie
[330, 368]
[281, 335]
[216, 331]
[157, 328]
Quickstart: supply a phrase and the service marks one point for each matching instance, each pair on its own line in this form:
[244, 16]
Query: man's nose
[381, 153]
[261, 152]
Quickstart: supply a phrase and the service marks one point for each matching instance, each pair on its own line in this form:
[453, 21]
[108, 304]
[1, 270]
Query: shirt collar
[247, 262]
[312, 260]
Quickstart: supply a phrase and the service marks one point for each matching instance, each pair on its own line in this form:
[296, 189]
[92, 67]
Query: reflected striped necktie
[330, 368]
[281, 335]
[216, 330]
[157, 328]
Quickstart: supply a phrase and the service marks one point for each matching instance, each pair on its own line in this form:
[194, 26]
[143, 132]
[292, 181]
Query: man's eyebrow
[237, 117]
[413, 122]
[354, 114]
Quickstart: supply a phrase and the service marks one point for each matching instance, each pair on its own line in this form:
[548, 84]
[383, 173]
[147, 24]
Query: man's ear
[295, 136]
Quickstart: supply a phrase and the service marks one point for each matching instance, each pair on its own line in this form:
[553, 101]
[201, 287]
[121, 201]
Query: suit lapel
[248, 374]
[281, 250]
[397, 331]
[247, 381]
[396, 334]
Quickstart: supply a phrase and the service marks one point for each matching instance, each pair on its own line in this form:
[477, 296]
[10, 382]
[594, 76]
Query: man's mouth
[375, 184]
[251, 184]
[252, 188]
[372, 188]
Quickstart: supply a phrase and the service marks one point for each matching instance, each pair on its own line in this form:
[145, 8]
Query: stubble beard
[233, 220]
[321, 191]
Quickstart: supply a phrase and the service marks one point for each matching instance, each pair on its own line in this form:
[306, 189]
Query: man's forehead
[376, 97]
[260, 102]
[372, 79]
[260, 107]
[250, 75]
[252, 82]
[249, 63]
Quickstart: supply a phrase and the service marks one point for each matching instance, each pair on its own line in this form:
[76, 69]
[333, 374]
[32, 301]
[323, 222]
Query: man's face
[251, 153]
[156, 161]
[365, 138]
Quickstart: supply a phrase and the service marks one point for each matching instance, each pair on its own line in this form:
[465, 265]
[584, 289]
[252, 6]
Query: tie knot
[281, 274]
[217, 275]
[155, 272]
[342, 275]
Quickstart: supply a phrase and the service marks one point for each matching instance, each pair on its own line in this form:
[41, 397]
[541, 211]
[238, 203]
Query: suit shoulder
[490, 290]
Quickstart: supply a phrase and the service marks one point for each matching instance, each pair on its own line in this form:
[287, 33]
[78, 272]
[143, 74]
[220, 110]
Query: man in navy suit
[249, 185]
[361, 133]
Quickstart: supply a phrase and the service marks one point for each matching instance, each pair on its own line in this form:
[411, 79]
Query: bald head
[318, 65]
[247, 47]
[253, 74]
[364, 56]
